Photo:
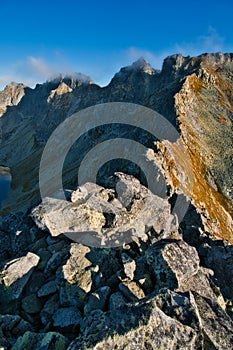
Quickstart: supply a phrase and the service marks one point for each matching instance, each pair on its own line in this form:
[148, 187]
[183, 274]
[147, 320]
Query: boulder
[100, 217]
[75, 277]
[136, 326]
[47, 289]
[12, 327]
[173, 263]
[97, 299]
[15, 276]
[67, 319]
[129, 266]
[32, 304]
[41, 341]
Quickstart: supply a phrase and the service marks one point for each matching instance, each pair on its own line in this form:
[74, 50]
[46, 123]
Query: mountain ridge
[180, 92]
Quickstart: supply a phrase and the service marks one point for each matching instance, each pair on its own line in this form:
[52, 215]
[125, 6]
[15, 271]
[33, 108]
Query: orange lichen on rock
[204, 148]
[185, 170]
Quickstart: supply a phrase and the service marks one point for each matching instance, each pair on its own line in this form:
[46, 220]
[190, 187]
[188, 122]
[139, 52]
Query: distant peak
[72, 79]
[142, 65]
[14, 85]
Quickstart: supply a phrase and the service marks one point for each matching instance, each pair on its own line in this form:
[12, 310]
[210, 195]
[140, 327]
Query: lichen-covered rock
[32, 304]
[12, 327]
[131, 290]
[97, 299]
[47, 289]
[67, 319]
[216, 324]
[129, 266]
[173, 263]
[100, 217]
[75, 277]
[132, 327]
[15, 276]
[41, 341]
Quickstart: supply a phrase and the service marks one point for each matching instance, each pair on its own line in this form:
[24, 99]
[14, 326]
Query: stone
[97, 220]
[219, 332]
[76, 277]
[15, 276]
[129, 266]
[173, 263]
[12, 327]
[47, 289]
[220, 259]
[143, 275]
[49, 309]
[32, 304]
[39, 341]
[35, 282]
[56, 247]
[116, 300]
[55, 261]
[44, 258]
[97, 299]
[67, 319]
[131, 290]
[135, 326]
[40, 244]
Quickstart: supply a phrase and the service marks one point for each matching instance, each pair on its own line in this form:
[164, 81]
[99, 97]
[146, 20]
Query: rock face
[11, 96]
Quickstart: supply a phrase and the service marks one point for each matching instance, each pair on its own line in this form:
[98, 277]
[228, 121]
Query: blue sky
[39, 39]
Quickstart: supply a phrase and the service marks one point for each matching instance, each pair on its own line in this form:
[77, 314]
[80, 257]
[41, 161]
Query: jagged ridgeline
[193, 93]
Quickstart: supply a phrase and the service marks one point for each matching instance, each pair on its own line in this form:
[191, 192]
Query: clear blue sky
[41, 38]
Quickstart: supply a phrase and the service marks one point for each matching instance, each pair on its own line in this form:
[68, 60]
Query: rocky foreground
[162, 289]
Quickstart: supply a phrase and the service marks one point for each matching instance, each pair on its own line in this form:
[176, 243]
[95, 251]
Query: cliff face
[194, 93]
[11, 96]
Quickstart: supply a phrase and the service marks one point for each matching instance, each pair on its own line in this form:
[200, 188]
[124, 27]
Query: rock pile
[160, 290]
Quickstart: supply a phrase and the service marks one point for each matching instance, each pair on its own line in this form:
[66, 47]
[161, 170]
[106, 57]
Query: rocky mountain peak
[142, 65]
[72, 80]
[11, 95]
[173, 63]
[134, 72]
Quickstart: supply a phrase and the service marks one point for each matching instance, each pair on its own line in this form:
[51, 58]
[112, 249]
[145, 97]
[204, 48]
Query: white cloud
[210, 42]
[30, 71]
[35, 69]
[41, 68]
